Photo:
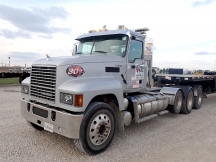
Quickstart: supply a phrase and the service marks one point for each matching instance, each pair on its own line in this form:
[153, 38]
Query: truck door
[135, 64]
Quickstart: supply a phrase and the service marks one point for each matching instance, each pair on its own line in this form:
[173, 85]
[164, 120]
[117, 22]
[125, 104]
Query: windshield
[106, 44]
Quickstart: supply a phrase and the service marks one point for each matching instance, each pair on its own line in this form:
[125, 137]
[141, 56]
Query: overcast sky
[183, 31]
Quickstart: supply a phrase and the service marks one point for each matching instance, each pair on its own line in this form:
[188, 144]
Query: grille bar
[50, 72]
[42, 96]
[39, 74]
[44, 78]
[41, 88]
[43, 82]
[35, 89]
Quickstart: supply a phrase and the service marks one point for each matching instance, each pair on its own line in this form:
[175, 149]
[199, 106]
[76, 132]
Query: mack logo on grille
[47, 94]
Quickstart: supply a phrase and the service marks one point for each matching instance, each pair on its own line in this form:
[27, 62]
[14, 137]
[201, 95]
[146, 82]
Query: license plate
[48, 127]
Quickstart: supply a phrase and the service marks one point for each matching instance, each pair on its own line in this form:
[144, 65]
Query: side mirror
[74, 49]
[133, 38]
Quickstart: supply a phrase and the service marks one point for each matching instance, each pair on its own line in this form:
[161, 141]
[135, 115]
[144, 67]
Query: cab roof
[111, 32]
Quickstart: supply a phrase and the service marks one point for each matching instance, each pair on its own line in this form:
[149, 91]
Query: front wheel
[97, 128]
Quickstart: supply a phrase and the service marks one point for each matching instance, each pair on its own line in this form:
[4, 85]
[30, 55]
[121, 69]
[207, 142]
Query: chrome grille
[43, 82]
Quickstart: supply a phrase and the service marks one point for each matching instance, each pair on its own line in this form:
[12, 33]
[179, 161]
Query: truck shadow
[133, 133]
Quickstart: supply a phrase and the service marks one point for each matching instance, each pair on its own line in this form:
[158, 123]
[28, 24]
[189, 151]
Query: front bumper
[65, 124]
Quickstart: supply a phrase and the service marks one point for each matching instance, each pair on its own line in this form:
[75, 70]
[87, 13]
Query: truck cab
[105, 85]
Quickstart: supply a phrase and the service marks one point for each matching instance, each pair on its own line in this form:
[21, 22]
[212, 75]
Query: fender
[185, 89]
[26, 81]
[91, 87]
[170, 93]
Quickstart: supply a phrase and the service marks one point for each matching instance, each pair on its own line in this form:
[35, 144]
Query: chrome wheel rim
[190, 101]
[100, 129]
[178, 102]
[200, 97]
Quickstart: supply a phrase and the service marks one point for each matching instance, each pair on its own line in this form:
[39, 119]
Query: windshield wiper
[79, 53]
[101, 52]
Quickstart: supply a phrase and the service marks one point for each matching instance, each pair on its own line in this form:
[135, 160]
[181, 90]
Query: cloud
[29, 56]
[52, 12]
[37, 20]
[198, 3]
[46, 36]
[14, 34]
[205, 53]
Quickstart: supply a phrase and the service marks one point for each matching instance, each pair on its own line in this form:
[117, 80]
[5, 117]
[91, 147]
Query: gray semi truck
[105, 85]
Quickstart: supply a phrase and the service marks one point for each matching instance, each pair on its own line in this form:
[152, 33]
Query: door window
[136, 50]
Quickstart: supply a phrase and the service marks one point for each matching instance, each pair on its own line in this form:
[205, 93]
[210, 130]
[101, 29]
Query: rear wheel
[97, 128]
[188, 102]
[176, 108]
[198, 99]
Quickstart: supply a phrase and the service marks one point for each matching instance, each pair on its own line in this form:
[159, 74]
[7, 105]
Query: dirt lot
[169, 138]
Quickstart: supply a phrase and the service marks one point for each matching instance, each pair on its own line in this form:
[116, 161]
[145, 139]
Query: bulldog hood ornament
[48, 57]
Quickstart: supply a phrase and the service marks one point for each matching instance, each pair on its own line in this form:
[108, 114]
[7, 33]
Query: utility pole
[9, 61]
[214, 65]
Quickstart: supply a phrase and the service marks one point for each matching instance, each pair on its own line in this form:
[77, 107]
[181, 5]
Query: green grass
[9, 81]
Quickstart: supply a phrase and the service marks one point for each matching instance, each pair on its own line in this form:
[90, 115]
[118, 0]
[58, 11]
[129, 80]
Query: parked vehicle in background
[26, 69]
[19, 72]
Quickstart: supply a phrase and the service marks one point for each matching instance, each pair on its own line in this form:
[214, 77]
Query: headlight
[66, 98]
[25, 89]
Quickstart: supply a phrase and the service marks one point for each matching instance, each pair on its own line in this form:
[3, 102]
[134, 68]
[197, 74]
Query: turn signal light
[78, 100]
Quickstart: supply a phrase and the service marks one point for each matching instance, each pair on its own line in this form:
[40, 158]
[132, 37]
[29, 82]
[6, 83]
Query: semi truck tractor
[105, 85]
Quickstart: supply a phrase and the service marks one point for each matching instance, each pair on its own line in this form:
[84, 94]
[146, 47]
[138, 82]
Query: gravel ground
[169, 138]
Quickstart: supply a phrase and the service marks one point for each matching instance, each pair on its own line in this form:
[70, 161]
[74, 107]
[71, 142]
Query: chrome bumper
[65, 124]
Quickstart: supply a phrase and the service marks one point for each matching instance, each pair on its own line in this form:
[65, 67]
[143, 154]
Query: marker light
[149, 48]
[78, 100]
[104, 28]
[92, 31]
[74, 71]
[121, 27]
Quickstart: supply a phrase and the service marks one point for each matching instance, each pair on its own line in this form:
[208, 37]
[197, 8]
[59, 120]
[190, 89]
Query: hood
[78, 59]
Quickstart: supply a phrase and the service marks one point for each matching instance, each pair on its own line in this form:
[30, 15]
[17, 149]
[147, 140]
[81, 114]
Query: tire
[97, 129]
[35, 126]
[178, 103]
[198, 99]
[188, 101]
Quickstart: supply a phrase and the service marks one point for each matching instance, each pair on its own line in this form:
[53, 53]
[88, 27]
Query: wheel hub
[190, 101]
[178, 102]
[100, 129]
[200, 97]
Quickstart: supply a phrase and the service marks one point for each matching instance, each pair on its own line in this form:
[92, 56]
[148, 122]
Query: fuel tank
[147, 104]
